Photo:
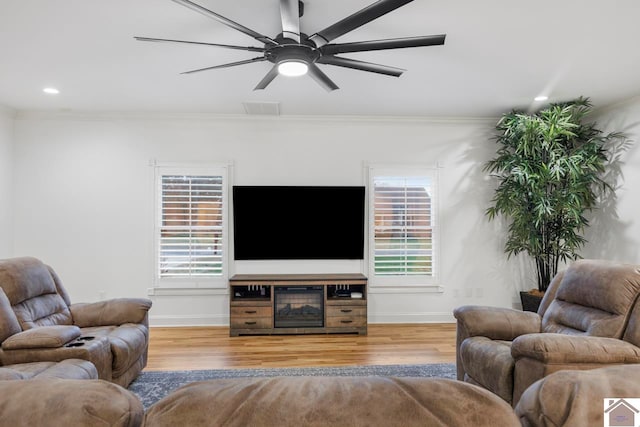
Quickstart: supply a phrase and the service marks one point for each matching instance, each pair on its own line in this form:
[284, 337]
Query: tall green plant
[549, 168]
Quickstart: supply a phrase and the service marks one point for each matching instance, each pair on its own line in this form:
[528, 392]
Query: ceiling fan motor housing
[290, 50]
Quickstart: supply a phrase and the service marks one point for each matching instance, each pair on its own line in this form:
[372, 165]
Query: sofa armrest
[496, 323]
[68, 402]
[96, 350]
[574, 398]
[42, 337]
[116, 311]
[572, 349]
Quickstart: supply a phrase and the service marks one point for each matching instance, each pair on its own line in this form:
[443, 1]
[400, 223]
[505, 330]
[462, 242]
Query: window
[191, 233]
[402, 227]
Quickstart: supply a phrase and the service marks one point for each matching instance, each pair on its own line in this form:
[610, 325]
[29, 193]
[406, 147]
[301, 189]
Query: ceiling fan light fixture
[293, 68]
[294, 53]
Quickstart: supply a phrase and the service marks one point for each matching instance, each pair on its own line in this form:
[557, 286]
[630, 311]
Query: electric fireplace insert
[298, 307]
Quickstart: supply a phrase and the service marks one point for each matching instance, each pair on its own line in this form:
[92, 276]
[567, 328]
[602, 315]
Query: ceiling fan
[294, 53]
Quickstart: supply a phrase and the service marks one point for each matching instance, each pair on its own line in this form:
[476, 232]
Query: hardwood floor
[190, 348]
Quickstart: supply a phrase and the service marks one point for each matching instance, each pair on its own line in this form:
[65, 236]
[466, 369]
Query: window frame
[404, 281]
[193, 282]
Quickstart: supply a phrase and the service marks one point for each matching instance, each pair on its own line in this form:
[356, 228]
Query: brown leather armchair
[38, 323]
[588, 318]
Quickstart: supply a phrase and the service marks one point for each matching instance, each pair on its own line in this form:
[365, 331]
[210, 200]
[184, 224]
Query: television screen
[287, 222]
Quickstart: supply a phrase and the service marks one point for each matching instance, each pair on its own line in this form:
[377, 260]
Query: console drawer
[249, 311]
[242, 322]
[345, 310]
[346, 321]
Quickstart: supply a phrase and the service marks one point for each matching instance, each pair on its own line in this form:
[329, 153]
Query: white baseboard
[189, 320]
[445, 317]
[223, 320]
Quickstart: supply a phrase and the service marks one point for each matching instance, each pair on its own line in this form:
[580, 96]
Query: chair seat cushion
[68, 369]
[127, 342]
[489, 364]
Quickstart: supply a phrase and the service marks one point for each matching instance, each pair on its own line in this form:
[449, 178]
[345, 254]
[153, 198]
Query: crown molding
[214, 117]
[616, 105]
[8, 111]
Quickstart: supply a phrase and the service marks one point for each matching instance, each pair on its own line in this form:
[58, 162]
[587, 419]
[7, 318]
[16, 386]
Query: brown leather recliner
[588, 318]
[38, 323]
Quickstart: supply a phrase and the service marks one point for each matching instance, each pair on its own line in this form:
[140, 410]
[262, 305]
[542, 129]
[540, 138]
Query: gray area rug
[154, 385]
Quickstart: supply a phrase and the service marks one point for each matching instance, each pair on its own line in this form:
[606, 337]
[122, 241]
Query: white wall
[615, 230]
[6, 182]
[84, 200]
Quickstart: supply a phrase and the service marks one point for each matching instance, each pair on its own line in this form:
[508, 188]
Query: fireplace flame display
[299, 307]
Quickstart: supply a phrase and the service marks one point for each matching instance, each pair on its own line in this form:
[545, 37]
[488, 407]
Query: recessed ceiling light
[541, 98]
[51, 90]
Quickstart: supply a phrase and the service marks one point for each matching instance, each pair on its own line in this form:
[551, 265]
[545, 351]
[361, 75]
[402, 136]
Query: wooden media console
[298, 304]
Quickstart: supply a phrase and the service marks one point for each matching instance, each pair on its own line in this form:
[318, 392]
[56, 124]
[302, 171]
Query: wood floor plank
[191, 348]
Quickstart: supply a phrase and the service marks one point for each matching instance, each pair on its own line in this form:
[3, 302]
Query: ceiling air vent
[262, 108]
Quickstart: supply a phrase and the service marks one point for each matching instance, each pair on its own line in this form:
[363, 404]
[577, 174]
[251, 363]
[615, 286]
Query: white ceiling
[499, 54]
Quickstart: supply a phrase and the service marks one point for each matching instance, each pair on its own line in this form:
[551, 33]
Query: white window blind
[403, 221]
[191, 226]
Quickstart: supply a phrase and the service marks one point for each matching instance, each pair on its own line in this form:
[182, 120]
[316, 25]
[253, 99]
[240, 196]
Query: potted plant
[549, 167]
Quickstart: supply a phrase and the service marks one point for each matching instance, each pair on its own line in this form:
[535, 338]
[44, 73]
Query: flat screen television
[298, 222]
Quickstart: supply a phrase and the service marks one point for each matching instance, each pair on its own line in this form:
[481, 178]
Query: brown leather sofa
[38, 323]
[577, 398]
[588, 318]
[259, 402]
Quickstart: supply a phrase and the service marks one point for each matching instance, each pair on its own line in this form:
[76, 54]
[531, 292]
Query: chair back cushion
[632, 333]
[594, 298]
[59, 288]
[32, 293]
[550, 294]
[8, 321]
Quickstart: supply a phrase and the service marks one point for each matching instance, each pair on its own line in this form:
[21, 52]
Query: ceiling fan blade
[399, 43]
[290, 14]
[272, 74]
[226, 21]
[350, 23]
[322, 79]
[361, 65]
[231, 64]
[228, 46]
